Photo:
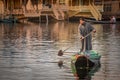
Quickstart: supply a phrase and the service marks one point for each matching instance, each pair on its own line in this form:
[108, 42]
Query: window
[97, 2]
[107, 8]
[62, 1]
[119, 6]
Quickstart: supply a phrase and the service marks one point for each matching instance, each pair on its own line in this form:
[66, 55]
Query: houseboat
[57, 9]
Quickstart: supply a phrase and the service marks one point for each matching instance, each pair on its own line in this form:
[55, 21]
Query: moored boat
[84, 61]
[102, 22]
[10, 20]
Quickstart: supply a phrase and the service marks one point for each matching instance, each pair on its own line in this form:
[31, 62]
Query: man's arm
[79, 32]
[92, 28]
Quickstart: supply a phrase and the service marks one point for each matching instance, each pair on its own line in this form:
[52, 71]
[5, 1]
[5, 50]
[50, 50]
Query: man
[85, 30]
[113, 19]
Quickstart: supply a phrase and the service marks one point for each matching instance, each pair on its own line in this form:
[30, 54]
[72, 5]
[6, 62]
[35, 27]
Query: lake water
[29, 51]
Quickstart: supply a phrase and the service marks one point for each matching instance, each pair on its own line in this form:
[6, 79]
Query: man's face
[81, 21]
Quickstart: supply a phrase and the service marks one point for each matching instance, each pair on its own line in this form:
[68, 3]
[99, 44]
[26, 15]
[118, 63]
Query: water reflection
[109, 48]
[29, 51]
[60, 63]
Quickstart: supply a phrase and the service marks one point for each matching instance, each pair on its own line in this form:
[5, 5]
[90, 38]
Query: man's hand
[82, 37]
[94, 31]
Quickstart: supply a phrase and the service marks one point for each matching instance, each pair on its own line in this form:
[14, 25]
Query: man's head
[82, 20]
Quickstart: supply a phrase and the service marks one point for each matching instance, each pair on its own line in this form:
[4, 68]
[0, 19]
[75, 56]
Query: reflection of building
[62, 32]
[58, 9]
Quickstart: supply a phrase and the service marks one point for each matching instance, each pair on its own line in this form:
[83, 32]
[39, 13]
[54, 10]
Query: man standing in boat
[85, 29]
[113, 19]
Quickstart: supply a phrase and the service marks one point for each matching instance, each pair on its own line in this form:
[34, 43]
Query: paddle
[60, 52]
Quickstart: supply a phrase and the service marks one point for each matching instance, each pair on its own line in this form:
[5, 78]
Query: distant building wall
[111, 8]
[1, 7]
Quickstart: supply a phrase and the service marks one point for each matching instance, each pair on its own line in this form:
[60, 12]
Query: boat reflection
[60, 64]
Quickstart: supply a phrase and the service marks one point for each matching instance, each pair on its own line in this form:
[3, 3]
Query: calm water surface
[29, 51]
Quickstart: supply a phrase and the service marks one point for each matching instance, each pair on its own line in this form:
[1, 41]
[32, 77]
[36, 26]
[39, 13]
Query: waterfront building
[1, 9]
[111, 8]
[59, 9]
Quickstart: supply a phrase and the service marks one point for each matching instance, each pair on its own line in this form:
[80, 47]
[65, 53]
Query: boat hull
[84, 61]
[102, 22]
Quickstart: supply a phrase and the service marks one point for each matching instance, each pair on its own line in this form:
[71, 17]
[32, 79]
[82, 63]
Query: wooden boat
[84, 61]
[9, 20]
[101, 22]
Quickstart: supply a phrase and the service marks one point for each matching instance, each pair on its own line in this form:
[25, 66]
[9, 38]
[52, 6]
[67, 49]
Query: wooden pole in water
[40, 19]
[47, 18]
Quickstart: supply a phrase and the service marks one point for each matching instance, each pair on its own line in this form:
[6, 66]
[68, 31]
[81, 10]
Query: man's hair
[83, 19]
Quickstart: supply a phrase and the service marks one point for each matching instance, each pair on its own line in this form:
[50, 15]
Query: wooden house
[58, 9]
